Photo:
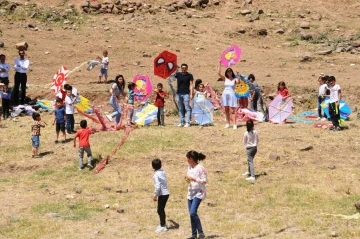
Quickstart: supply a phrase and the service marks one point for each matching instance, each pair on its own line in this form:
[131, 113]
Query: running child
[84, 145]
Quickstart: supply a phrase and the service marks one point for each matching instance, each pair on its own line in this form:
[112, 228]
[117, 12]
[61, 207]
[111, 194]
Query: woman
[117, 89]
[196, 177]
[228, 98]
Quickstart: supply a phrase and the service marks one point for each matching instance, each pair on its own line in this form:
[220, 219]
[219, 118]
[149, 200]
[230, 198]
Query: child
[59, 119]
[200, 92]
[84, 145]
[283, 91]
[104, 66]
[322, 92]
[69, 110]
[5, 98]
[335, 97]
[250, 140]
[197, 178]
[131, 100]
[35, 133]
[161, 193]
[159, 102]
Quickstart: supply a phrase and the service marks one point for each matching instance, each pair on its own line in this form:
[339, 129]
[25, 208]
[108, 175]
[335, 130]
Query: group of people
[21, 66]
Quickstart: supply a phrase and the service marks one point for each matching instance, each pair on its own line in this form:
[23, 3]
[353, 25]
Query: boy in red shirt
[84, 145]
[159, 102]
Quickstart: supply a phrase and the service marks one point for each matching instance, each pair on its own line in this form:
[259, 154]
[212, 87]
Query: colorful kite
[345, 110]
[230, 56]
[146, 115]
[83, 104]
[280, 109]
[203, 111]
[59, 79]
[143, 86]
[165, 64]
[242, 89]
[243, 115]
[214, 98]
[46, 104]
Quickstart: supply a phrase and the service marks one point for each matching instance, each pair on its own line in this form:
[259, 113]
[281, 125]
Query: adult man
[4, 70]
[21, 66]
[185, 93]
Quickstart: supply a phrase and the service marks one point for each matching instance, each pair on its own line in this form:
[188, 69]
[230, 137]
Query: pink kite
[143, 86]
[59, 79]
[280, 109]
[230, 56]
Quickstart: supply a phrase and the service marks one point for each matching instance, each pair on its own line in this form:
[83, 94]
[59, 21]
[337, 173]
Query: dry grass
[293, 194]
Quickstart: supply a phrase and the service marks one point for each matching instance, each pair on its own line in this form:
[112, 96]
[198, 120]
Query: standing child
[104, 66]
[335, 97]
[251, 141]
[84, 145]
[322, 92]
[283, 90]
[59, 119]
[197, 178]
[69, 110]
[131, 99]
[200, 92]
[5, 100]
[161, 193]
[160, 102]
[35, 134]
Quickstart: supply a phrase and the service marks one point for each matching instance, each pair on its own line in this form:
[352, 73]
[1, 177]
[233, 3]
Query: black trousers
[4, 80]
[160, 116]
[334, 114]
[162, 200]
[6, 107]
[20, 79]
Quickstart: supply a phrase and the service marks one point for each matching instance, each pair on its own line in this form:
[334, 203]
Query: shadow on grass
[257, 176]
[212, 236]
[174, 225]
[46, 153]
[67, 140]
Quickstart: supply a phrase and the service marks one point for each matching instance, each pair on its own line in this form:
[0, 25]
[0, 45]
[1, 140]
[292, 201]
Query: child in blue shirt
[131, 100]
[60, 118]
[6, 97]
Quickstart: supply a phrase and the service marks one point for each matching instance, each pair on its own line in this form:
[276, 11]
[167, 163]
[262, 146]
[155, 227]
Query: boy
[84, 145]
[104, 66]
[5, 100]
[335, 97]
[161, 193]
[69, 110]
[35, 133]
[59, 119]
[322, 92]
[159, 102]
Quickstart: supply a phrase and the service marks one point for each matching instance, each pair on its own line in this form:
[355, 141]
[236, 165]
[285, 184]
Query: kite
[242, 89]
[345, 110]
[280, 109]
[45, 104]
[92, 64]
[143, 86]
[146, 115]
[165, 64]
[230, 56]
[83, 104]
[59, 79]
[214, 98]
[203, 111]
[243, 115]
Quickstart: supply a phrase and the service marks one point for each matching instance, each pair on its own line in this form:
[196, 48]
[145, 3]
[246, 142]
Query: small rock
[2, 44]
[171, 9]
[262, 32]
[211, 203]
[274, 156]
[106, 28]
[30, 25]
[216, 2]
[115, 206]
[122, 191]
[317, 136]
[333, 234]
[306, 148]
[70, 196]
[306, 58]
[120, 210]
[46, 53]
[78, 190]
[355, 44]
[107, 188]
[332, 166]
[106, 206]
[352, 65]
[306, 36]
[305, 25]
[146, 54]
[280, 31]
[245, 12]
[324, 52]
[339, 49]
[357, 205]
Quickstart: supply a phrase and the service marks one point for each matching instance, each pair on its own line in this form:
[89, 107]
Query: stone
[280, 31]
[216, 2]
[2, 44]
[262, 32]
[305, 36]
[131, 10]
[306, 58]
[211, 203]
[146, 55]
[30, 25]
[120, 210]
[274, 156]
[245, 12]
[333, 234]
[355, 44]
[339, 49]
[324, 52]
[78, 190]
[106, 28]
[305, 25]
[70, 196]
[332, 166]
[353, 51]
[171, 9]
[106, 206]
[22, 46]
[107, 188]
[122, 191]
[306, 148]
[241, 31]
[71, 5]
[357, 205]
[95, 6]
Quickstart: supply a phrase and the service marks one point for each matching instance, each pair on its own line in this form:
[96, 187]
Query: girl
[283, 91]
[197, 178]
[5, 99]
[117, 89]
[200, 92]
[131, 99]
[250, 140]
[228, 98]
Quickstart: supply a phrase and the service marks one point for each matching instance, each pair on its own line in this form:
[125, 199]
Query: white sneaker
[246, 174]
[323, 119]
[109, 117]
[250, 179]
[227, 126]
[180, 125]
[318, 118]
[186, 125]
[158, 227]
[235, 126]
[161, 229]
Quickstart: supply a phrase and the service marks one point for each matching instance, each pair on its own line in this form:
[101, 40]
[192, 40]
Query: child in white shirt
[335, 97]
[251, 141]
[161, 193]
[69, 111]
[104, 66]
[321, 96]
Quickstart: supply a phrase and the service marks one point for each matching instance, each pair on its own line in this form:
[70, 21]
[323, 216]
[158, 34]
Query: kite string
[76, 68]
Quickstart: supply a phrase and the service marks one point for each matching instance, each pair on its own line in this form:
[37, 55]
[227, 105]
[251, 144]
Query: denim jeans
[251, 151]
[184, 108]
[160, 116]
[117, 110]
[255, 101]
[70, 122]
[195, 220]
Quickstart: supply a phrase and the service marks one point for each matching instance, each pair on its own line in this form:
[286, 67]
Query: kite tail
[214, 99]
[100, 118]
[88, 116]
[105, 161]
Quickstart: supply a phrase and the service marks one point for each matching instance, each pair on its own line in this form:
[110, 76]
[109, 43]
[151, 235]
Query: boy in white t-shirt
[104, 66]
[69, 111]
[335, 97]
[322, 92]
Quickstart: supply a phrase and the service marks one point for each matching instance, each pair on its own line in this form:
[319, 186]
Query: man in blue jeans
[185, 93]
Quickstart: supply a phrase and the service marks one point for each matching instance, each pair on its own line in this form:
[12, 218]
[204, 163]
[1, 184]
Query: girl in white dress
[228, 98]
